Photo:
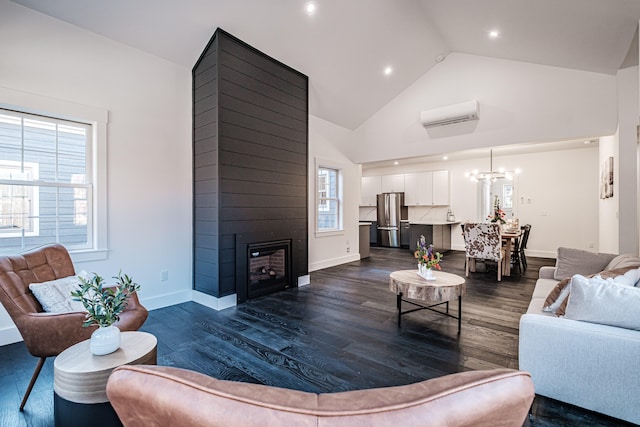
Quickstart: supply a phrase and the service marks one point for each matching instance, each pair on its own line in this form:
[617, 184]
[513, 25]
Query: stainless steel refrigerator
[391, 210]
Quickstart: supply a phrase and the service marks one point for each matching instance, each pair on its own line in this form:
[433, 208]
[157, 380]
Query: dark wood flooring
[339, 333]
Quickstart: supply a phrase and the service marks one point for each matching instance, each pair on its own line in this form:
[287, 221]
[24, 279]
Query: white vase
[425, 273]
[105, 340]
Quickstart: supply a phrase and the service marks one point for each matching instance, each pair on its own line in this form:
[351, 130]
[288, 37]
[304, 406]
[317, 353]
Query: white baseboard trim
[304, 280]
[213, 302]
[333, 262]
[166, 300]
[9, 335]
[541, 254]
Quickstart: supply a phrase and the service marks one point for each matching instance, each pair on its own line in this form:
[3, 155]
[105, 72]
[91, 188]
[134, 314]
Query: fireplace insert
[268, 267]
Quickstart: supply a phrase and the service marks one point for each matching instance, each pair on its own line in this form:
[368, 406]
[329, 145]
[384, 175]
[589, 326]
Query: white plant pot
[105, 340]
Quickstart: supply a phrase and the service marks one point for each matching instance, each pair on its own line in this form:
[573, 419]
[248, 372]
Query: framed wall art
[606, 179]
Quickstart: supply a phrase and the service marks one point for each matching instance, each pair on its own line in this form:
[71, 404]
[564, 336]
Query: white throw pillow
[55, 296]
[597, 301]
[630, 278]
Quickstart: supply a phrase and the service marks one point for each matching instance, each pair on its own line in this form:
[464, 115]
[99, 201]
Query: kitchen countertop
[434, 222]
[365, 223]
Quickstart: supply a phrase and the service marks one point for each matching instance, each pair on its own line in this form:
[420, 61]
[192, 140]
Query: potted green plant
[104, 305]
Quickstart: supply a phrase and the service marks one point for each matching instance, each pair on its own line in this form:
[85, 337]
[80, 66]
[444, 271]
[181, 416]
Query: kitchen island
[436, 232]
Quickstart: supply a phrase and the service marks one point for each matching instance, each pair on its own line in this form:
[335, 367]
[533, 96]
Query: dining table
[509, 237]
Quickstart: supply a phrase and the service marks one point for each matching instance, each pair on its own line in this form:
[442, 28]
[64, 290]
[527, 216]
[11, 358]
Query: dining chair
[483, 241]
[515, 255]
[526, 229]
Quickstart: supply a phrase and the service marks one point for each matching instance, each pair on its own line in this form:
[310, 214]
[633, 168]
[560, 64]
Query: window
[328, 199]
[46, 186]
[507, 196]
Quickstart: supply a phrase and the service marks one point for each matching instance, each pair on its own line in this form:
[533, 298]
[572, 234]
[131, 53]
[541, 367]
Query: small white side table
[80, 379]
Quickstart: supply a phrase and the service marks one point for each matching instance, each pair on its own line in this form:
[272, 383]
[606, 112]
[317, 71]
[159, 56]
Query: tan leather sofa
[165, 396]
[48, 334]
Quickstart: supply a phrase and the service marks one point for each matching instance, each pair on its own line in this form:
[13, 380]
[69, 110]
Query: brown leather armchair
[164, 396]
[48, 334]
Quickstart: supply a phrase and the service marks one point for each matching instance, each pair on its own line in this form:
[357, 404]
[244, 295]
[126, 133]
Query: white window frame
[507, 200]
[97, 118]
[328, 164]
[12, 165]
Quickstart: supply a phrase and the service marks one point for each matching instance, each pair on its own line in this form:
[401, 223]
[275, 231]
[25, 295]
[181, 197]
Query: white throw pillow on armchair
[55, 296]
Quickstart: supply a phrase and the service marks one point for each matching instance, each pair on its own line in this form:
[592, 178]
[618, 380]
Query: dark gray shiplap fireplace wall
[250, 166]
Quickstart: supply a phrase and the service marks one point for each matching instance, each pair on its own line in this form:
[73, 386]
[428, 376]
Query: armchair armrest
[48, 334]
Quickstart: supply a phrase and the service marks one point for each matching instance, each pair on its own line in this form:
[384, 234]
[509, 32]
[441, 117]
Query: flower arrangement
[426, 256]
[104, 304]
[498, 213]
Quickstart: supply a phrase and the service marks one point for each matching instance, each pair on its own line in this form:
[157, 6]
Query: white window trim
[36, 199]
[98, 118]
[329, 164]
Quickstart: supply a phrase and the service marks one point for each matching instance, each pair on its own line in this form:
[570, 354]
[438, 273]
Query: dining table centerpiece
[498, 214]
[428, 259]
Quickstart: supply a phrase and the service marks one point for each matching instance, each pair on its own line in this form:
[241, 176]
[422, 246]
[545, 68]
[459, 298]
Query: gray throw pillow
[623, 260]
[577, 261]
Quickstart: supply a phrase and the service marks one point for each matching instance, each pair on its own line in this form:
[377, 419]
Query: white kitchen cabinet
[393, 183]
[441, 187]
[426, 188]
[418, 189]
[371, 187]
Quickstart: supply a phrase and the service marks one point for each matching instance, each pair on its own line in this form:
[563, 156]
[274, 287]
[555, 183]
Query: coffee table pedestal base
[71, 414]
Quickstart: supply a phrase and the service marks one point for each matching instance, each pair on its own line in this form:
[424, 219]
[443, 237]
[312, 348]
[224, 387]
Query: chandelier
[492, 175]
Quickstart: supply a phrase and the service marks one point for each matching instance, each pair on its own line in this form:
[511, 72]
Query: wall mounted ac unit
[450, 114]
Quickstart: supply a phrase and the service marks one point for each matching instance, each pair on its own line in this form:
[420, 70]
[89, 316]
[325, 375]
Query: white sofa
[590, 365]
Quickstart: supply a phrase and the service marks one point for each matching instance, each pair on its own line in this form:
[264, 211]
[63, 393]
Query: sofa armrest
[581, 363]
[547, 272]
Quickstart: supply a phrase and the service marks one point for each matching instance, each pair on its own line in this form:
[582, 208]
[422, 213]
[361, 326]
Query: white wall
[327, 142]
[519, 102]
[608, 208]
[149, 142]
[618, 223]
[562, 186]
[625, 163]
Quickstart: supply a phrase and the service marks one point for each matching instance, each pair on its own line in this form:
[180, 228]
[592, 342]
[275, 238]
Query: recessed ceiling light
[310, 7]
[395, 163]
[587, 142]
[493, 34]
[388, 70]
[445, 158]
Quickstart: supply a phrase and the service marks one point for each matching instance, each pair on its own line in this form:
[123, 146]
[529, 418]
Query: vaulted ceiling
[345, 46]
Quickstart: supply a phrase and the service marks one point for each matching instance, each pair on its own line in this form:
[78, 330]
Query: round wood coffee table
[447, 287]
[80, 379]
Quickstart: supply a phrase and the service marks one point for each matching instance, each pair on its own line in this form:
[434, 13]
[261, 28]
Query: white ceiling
[344, 47]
